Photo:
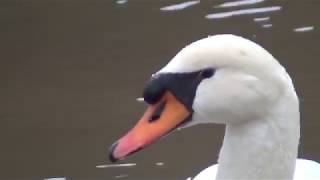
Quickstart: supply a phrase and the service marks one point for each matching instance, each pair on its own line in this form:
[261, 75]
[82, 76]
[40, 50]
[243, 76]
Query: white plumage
[252, 94]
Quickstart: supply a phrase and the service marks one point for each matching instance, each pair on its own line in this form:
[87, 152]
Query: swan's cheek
[224, 103]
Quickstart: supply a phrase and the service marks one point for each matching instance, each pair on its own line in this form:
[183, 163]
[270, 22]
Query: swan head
[223, 79]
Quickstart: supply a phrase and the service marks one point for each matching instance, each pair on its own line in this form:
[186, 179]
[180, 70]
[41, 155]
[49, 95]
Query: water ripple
[238, 3]
[116, 165]
[261, 19]
[267, 25]
[122, 1]
[243, 12]
[121, 176]
[180, 6]
[159, 163]
[304, 29]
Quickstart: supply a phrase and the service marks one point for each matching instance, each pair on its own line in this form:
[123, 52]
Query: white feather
[254, 96]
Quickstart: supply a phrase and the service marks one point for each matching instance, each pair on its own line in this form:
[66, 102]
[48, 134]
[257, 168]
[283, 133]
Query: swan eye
[207, 73]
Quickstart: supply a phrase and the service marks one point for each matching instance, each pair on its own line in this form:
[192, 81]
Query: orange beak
[151, 127]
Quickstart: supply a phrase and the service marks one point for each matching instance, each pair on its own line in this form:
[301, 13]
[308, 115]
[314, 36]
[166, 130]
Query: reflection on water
[56, 178]
[304, 29]
[179, 6]
[159, 163]
[121, 1]
[266, 25]
[261, 19]
[121, 176]
[238, 3]
[71, 70]
[116, 165]
[243, 12]
[123, 165]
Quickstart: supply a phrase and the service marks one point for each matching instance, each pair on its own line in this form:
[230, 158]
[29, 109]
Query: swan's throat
[261, 149]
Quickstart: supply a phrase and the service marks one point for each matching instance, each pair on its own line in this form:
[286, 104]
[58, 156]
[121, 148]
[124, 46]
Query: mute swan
[230, 80]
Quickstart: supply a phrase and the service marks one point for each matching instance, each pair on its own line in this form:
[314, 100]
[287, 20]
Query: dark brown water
[71, 70]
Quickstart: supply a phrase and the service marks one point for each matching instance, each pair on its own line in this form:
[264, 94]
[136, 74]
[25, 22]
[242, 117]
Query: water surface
[71, 71]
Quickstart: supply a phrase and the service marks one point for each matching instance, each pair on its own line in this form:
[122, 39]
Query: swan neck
[259, 149]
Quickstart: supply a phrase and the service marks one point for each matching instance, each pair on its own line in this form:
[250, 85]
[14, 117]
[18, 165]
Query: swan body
[304, 170]
[226, 79]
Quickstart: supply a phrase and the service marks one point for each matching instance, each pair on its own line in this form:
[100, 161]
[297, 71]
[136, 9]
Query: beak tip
[111, 151]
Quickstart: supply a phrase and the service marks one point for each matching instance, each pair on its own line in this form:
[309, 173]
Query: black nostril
[157, 113]
[111, 150]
